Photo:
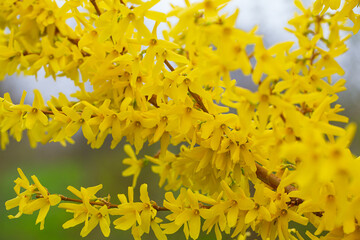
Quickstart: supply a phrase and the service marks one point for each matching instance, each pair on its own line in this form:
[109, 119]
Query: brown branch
[194, 95]
[263, 174]
[198, 101]
[110, 205]
[251, 55]
[273, 181]
[159, 208]
[48, 112]
[74, 41]
[104, 203]
[169, 65]
[270, 179]
[152, 100]
[93, 2]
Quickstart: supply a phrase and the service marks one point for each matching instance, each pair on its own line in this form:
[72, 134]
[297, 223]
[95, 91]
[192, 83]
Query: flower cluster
[26, 202]
[231, 209]
[175, 87]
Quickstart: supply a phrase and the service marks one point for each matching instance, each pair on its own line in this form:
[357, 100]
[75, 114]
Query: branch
[103, 203]
[152, 100]
[110, 205]
[273, 181]
[270, 179]
[169, 65]
[93, 2]
[194, 95]
[198, 101]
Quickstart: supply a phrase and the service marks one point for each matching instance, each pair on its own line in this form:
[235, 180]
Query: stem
[194, 95]
[109, 205]
[103, 203]
[273, 181]
[169, 65]
[263, 174]
[251, 55]
[198, 101]
[93, 2]
[152, 100]
[270, 179]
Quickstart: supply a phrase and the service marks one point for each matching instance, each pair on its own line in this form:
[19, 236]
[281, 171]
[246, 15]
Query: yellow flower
[128, 209]
[267, 64]
[42, 204]
[77, 121]
[147, 211]
[321, 6]
[23, 198]
[214, 129]
[34, 112]
[189, 216]
[49, 59]
[236, 202]
[14, 120]
[259, 212]
[80, 214]
[189, 116]
[159, 233]
[85, 212]
[135, 164]
[136, 17]
[142, 213]
[163, 168]
[97, 217]
[111, 120]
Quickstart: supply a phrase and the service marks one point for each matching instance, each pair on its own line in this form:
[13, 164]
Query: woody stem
[93, 2]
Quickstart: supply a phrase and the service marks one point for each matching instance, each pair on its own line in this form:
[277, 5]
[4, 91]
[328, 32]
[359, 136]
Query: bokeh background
[79, 165]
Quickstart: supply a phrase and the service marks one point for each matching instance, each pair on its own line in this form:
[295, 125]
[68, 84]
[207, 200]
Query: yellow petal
[74, 221]
[232, 216]
[30, 120]
[160, 235]
[40, 187]
[54, 199]
[104, 226]
[144, 196]
[9, 204]
[42, 213]
[125, 222]
[42, 117]
[251, 216]
[194, 225]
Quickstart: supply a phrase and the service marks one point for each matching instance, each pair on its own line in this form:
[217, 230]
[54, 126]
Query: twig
[198, 101]
[48, 112]
[110, 205]
[104, 203]
[152, 100]
[251, 55]
[194, 95]
[273, 181]
[93, 2]
[169, 65]
[269, 179]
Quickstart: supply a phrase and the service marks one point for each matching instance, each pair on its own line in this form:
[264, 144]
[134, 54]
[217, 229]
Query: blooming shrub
[247, 159]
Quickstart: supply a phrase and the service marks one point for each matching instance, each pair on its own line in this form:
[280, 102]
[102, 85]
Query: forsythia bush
[247, 159]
